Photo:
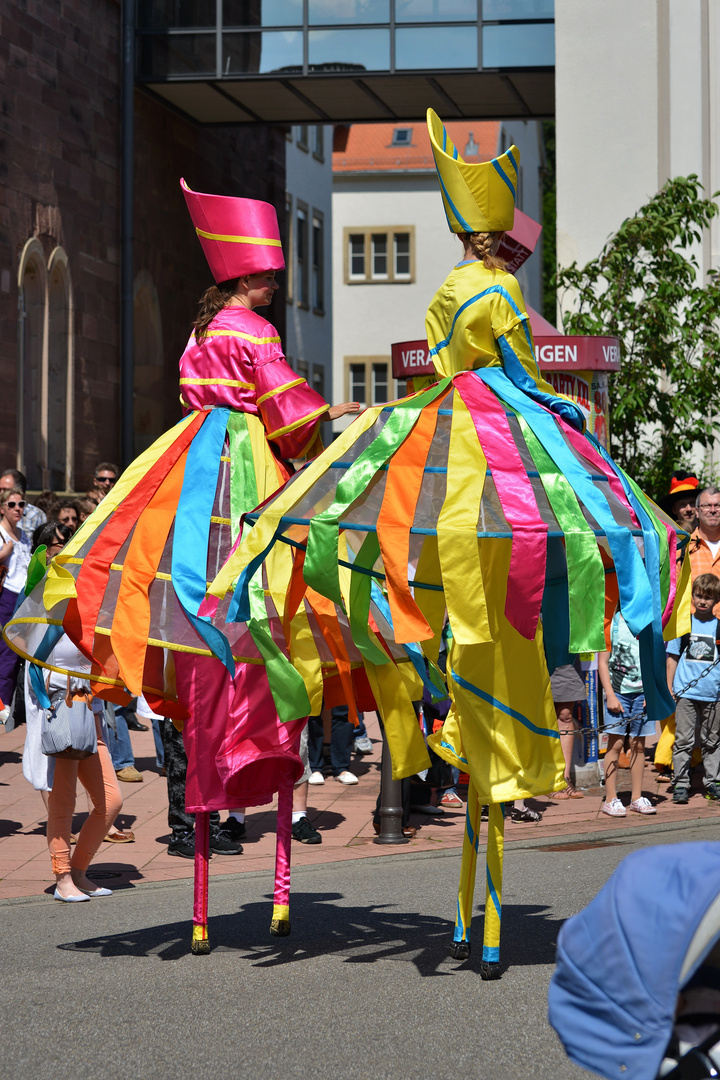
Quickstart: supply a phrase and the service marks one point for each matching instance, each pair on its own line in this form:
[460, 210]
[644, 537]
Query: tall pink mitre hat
[238, 236]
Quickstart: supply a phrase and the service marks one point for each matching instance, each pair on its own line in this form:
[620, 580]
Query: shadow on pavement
[10, 828]
[320, 927]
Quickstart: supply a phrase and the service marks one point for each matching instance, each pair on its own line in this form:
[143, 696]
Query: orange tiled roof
[368, 147]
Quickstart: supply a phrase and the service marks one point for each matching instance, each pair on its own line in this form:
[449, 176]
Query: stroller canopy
[622, 960]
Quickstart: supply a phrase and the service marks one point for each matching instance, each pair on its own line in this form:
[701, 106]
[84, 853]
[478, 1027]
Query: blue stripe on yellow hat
[477, 198]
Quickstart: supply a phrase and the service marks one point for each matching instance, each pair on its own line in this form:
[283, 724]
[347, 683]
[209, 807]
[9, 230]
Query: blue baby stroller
[636, 991]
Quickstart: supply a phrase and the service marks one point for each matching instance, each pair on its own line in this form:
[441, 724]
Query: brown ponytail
[212, 301]
[482, 244]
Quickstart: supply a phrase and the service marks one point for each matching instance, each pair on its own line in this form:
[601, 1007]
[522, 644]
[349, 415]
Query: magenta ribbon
[672, 547]
[526, 576]
[581, 445]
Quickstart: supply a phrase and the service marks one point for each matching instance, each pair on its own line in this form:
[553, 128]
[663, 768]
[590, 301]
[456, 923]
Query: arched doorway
[32, 282]
[58, 411]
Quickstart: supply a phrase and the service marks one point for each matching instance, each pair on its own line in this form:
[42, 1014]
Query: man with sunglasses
[32, 515]
[104, 479]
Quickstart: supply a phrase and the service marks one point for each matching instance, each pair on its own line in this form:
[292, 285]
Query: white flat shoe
[347, 778]
[92, 893]
[70, 899]
[316, 778]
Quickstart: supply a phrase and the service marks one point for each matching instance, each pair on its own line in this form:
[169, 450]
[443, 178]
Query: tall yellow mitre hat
[477, 198]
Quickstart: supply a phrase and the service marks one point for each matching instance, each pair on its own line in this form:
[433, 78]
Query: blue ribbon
[192, 531]
[520, 378]
[46, 646]
[653, 662]
[239, 607]
[413, 651]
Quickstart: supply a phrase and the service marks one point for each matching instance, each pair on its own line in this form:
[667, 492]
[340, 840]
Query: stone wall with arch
[32, 359]
[45, 368]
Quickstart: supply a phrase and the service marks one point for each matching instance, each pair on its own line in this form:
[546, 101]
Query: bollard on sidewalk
[391, 810]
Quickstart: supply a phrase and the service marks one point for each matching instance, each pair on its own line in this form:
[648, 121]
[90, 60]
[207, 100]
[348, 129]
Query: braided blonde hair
[482, 245]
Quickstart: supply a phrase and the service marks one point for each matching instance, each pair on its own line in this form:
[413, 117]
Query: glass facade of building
[231, 39]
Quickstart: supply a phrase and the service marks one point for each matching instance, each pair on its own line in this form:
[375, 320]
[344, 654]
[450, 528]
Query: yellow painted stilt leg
[460, 948]
[490, 967]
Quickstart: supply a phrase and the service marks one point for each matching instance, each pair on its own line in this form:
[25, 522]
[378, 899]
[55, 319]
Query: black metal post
[127, 270]
[391, 810]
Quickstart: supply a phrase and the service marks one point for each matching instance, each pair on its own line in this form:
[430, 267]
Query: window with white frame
[380, 384]
[402, 137]
[369, 380]
[318, 142]
[357, 389]
[356, 256]
[401, 256]
[380, 255]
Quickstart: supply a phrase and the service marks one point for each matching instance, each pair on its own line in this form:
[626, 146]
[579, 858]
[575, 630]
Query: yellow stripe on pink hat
[238, 236]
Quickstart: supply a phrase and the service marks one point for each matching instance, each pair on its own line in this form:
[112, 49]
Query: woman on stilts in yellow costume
[484, 500]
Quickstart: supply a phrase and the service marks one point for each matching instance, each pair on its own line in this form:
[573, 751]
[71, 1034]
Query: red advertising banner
[577, 352]
[410, 359]
[557, 353]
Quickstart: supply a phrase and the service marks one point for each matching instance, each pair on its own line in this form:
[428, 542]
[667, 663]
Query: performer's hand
[336, 411]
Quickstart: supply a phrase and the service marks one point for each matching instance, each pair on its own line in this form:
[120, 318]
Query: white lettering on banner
[413, 358]
[611, 353]
[558, 354]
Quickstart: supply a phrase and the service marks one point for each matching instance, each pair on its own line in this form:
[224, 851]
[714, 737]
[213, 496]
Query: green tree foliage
[645, 288]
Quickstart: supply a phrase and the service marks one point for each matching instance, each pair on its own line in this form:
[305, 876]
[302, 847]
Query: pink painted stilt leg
[200, 943]
[280, 925]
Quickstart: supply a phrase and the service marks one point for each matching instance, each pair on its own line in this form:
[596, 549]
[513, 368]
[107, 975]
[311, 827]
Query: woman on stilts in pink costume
[128, 589]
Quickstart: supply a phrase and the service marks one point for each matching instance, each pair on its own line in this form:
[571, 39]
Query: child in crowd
[689, 658]
[625, 716]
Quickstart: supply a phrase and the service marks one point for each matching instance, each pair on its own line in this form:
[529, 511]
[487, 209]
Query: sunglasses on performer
[13, 504]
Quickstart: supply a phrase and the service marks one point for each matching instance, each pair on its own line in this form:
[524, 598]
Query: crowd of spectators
[51, 520]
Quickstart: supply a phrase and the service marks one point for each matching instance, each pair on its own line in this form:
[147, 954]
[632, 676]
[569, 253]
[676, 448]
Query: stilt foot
[460, 950]
[280, 927]
[490, 969]
[200, 944]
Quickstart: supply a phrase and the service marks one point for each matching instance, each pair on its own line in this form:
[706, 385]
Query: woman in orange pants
[97, 776]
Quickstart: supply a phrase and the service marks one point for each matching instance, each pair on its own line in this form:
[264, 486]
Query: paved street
[362, 988]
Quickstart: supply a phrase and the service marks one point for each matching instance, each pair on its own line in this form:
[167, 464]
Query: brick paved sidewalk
[343, 816]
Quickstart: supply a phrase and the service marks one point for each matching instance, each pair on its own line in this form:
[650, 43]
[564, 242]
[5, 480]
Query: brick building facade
[60, 197]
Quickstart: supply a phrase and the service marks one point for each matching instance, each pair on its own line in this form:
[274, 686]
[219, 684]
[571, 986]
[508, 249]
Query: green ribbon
[37, 568]
[360, 591]
[321, 560]
[586, 573]
[286, 684]
[663, 537]
[243, 484]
